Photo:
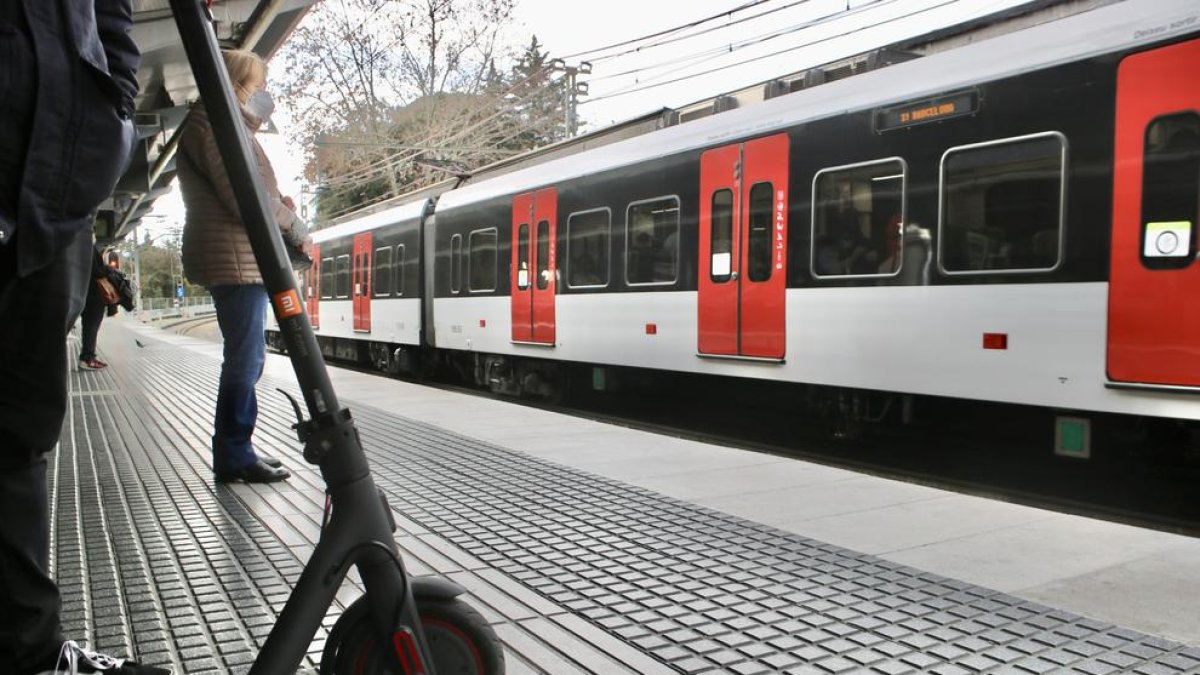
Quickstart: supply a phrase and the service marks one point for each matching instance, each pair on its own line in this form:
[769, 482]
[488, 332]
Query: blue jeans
[241, 315]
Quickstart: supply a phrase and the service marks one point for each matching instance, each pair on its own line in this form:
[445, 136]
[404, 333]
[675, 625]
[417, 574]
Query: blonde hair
[244, 67]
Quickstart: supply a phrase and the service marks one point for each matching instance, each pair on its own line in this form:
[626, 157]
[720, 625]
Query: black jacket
[67, 84]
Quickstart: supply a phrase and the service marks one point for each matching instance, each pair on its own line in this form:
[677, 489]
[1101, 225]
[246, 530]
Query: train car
[363, 291]
[1010, 221]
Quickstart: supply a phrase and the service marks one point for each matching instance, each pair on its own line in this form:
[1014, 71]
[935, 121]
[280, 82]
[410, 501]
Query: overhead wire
[689, 36]
[638, 87]
[492, 122]
[388, 163]
[746, 42]
[668, 31]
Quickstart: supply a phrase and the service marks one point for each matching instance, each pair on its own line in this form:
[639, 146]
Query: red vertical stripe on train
[764, 258]
[361, 286]
[545, 244]
[717, 292]
[522, 268]
[1153, 327]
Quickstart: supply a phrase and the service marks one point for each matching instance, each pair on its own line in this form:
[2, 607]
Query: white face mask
[260, 104]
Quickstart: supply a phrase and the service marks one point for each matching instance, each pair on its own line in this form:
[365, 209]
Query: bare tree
[393, 94]
[449, 44]
[352, 61]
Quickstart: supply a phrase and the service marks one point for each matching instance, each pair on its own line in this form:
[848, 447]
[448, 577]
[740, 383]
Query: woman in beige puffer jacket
[217, 255]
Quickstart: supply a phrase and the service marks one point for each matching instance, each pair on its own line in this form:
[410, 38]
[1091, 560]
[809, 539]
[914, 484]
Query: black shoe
[269, 460]
[75, 659]
[258, 472]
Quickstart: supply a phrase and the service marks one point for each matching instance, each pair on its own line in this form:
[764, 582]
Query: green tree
[538, 100]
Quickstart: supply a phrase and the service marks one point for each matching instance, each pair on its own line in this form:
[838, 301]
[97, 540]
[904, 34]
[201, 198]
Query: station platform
[591, 548]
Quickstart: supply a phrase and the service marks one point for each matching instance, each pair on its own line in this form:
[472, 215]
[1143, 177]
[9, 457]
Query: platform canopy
[168, 90]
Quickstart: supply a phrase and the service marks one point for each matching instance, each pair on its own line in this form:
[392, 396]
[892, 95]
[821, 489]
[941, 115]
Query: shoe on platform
[258, 472]
[92, 364]
[76, 660]
[269, 460]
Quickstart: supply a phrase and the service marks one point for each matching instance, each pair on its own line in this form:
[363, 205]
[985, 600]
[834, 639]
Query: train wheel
[460, 641]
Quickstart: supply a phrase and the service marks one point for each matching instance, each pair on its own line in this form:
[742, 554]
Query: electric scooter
[401, 625]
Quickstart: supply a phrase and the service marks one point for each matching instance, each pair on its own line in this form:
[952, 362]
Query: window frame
[523, 233]
[770, 249]
[398, 270]
[608, 237]
[332, 267]
[1157, 264]
[542, 276]
[712, 240]
[812, 218]
[495, 232]
[337, 275]
[678, 243]
[456, 264]
[375, 293]
[1064, 148]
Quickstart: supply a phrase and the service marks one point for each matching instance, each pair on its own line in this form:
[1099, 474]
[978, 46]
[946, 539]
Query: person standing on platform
[94, 310]
[67, 85]
[217, 255]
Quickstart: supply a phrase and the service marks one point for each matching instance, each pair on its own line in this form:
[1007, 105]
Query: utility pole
[571, 91]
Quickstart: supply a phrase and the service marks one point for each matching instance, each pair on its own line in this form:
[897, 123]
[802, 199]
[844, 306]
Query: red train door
[1153, 334]
[314, 289]
[743, 249]
[361, 279]
[534, 268]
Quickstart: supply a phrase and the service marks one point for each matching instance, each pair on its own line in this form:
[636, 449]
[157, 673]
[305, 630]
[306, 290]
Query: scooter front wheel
[460, 641]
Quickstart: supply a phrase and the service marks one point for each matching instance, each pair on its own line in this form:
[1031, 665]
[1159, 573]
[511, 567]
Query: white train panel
[921, 340]
[393, 320]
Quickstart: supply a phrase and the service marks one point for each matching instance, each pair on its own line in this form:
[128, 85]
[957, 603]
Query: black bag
[124, 288]
[300, 260]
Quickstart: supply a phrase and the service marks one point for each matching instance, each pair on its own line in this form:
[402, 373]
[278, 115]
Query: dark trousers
[242, 317]
[89, 322]
[36, 312]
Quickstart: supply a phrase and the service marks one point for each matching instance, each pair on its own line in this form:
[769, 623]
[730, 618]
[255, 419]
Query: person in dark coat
[67, 87]
[94, 310]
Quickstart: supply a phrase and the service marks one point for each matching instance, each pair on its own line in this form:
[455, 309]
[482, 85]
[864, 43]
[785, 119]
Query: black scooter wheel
[460, 641]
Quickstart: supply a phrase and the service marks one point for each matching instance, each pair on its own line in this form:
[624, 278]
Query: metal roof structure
[168, 90]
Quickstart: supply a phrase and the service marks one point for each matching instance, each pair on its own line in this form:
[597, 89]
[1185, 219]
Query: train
[1009, 221]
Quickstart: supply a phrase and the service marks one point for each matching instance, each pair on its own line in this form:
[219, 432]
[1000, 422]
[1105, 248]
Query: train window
[587, 248]
[456, 263]
[383, 271]
[481, 260]
[327, 270]
[399, 270]
[523, 256]
[343, 277]
[543, 255]
[652, 241]
[720, 267]
[857, 219]
[761, 241]
[1171, 191]
[1002, 205]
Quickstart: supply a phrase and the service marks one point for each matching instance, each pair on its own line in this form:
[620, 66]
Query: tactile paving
[181, 570]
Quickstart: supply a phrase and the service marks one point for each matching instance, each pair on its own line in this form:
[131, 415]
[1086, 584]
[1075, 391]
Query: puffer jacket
[216, 248]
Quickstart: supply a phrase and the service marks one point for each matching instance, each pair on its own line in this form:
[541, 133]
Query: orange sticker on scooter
[287, 304]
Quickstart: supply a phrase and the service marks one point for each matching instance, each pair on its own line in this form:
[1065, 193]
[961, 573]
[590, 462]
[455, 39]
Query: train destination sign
[927, 110]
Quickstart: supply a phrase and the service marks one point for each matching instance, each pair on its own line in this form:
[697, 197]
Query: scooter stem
[359, 530]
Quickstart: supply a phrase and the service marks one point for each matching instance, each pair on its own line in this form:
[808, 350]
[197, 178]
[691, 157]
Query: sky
[769, 39]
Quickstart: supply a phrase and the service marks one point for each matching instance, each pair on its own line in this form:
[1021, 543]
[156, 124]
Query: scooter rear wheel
[460, 641]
